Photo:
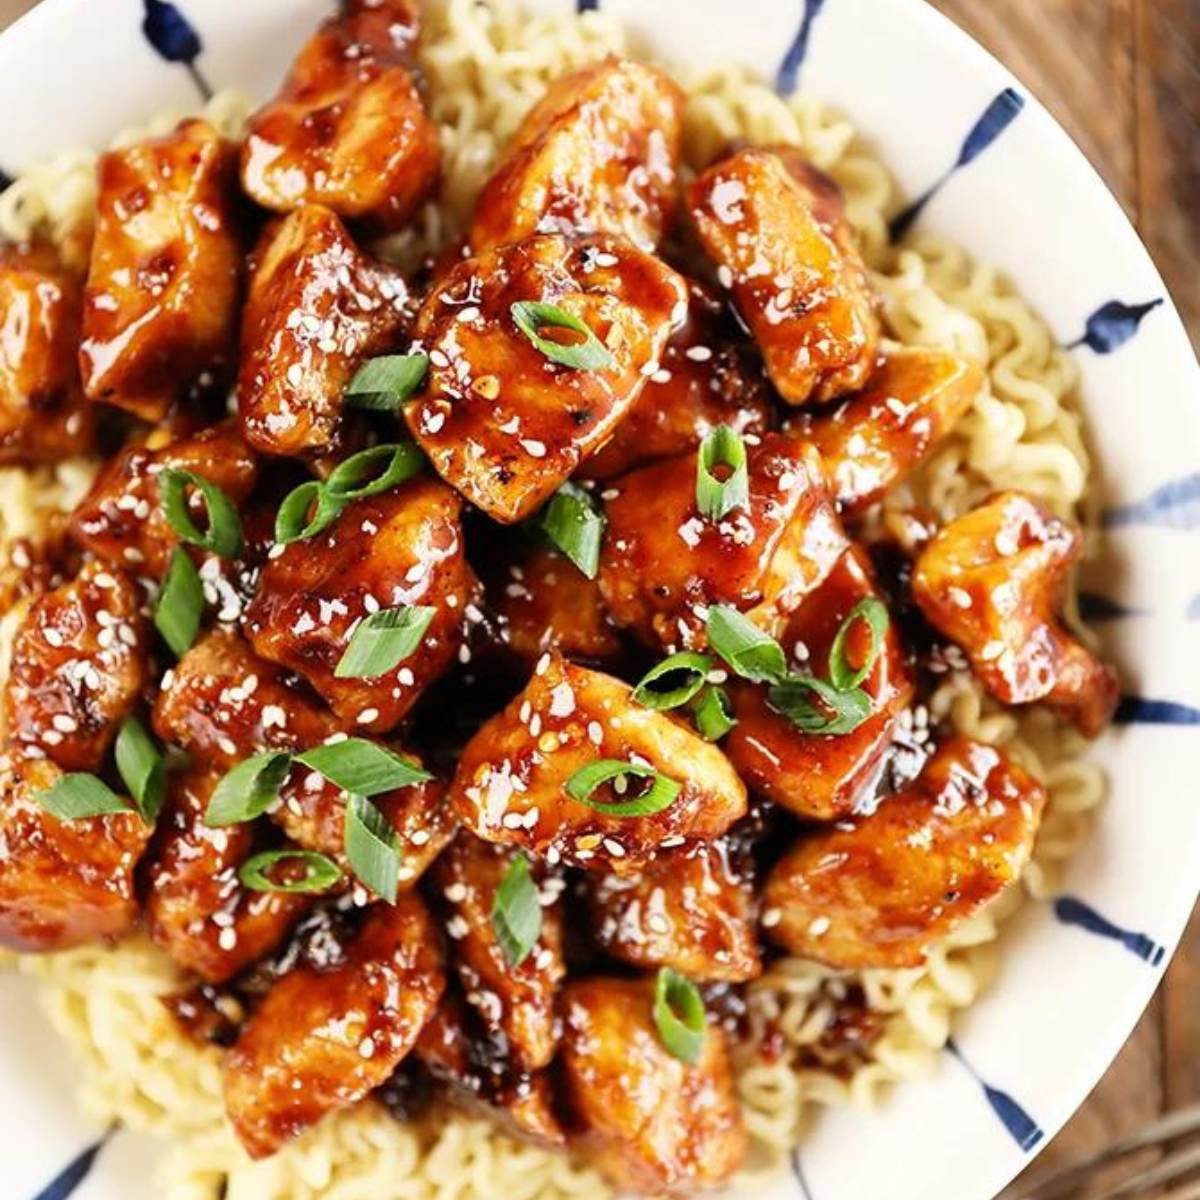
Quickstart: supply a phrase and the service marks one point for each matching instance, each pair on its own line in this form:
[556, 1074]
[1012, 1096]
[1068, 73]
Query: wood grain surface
[1123, 77]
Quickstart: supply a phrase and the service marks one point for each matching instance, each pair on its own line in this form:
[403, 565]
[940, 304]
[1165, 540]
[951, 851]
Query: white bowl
[74, 71]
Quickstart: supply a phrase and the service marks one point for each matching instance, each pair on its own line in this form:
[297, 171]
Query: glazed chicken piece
[500, 420]
[43, 414]
[316, 309]
[596, 154]
[509, 787]
[121, 519]
[347, 129]
[993, 582]
[692, 910]
[878, 890]
[196, 908]
[160, 307]
[79, 664]
[401, 548]
[662, 563]
[222, 703]
[62, 883]
[822, 776]
[322, 1039]
[652, 1123]
[709, 375]
[876, 438]
[516, 1004]
[782, 245]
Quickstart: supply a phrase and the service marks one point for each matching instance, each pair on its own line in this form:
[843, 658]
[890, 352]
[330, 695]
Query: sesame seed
[368, 715]
[772, 917]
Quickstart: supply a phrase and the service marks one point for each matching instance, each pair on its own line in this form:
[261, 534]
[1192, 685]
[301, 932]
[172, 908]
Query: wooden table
[1123, 77]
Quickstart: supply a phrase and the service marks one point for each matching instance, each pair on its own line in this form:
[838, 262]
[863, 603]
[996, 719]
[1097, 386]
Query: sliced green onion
[320, 872]
[383, 384]
[78, 795]
[750, 652]
[180, 603]
[372, 471]
[306, 511]
[384, 639]
[362, 767]
[712, 714]
[224, 533]
[573, 523]
[660, 688]
[679, 1015]
[371, 848]
[874, 612]
[532, 316]
[659, 795]
[142, 767]
[249, 789]
[717, 497]
[517, 912]
[840, 711]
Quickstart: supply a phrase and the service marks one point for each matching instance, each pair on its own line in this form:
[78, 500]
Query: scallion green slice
[874, 613]
[712, 713]
[362, 767]
[77, 795]
[142, 768]
[306, 511]
[574, 524]
[839, 711]
[372, 848]
[532, 316]
[180, 603]
[320, 872]
[383, 384]
[679, 1015]
[383, 640]
[517, 912]
[674, 681]
[249, 789]
[750, 652]
[659, 795]
[716, 497]
[372, 471]
[224, 533]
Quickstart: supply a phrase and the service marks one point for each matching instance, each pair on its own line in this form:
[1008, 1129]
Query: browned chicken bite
[879, 890]
[317, 307]
[651, 1123]
[322, 1039]
[43, 414]
[993, 582]
[663, 564]
[400, 548]
[62, 883]
[79, 663]
[782, 245]
[197, 909]
[509, 787]
[596, 154]
[347, 129]
[160, 308]
[502, 420]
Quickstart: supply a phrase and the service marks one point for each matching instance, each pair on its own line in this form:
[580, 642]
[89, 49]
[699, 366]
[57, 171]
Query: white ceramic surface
[74, 71]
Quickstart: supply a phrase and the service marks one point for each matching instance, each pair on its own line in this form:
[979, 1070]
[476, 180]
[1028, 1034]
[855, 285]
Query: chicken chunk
[692, 910]
[197, 909]
[878, 890]
[320, 1040]
[79, 664]
[400, 548]
[652, 1123]
[784, 249]
[62, 883]
[663, 564]
[817, 775]
[993, 582]
[509, 787]
[347, 129]
[317, 308]
[515, 1004]
[596, 154]
[501, 421]
[876, 438]
[223, 704]
[121, 519]
[709, 375]
[160, 307]
[43, 414]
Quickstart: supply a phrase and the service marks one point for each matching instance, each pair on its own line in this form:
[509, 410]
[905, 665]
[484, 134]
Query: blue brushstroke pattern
[73, 1174]
[1113, 324]
[798, 1172]
[788, 75]
[996, 118]
[1193, 609]
[1023, 1129]
[1094, 606]
[1175, 505]
[173, 36]
[1139, 710]
[586, 5]
[1070, 910]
